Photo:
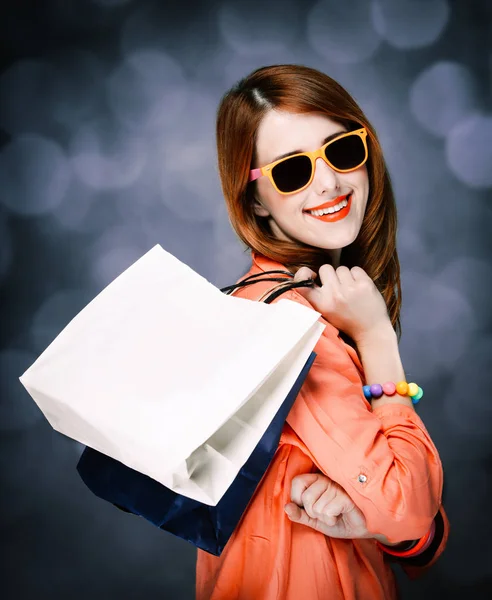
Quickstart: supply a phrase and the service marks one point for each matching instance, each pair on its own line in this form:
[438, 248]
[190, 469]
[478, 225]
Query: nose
[325, 179]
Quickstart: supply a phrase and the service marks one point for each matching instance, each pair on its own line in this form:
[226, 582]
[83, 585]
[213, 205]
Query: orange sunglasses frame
[313, 156]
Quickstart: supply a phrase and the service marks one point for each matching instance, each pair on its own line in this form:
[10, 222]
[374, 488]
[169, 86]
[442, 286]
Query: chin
[332, 244]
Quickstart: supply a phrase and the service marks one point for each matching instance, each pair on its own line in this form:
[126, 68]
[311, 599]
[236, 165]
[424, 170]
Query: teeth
[332, 209]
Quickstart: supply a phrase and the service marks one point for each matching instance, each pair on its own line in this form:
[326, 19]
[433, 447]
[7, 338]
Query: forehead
[280, 132]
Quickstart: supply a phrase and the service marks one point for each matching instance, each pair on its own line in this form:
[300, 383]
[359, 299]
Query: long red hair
[301, 89]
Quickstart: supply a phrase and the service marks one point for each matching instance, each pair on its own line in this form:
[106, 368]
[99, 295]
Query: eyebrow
[325, 141]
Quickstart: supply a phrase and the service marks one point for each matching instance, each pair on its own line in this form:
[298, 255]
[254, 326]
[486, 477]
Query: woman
[354, 481]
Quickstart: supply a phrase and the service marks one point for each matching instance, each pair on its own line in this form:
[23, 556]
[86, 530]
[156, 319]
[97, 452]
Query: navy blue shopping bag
[206, 527]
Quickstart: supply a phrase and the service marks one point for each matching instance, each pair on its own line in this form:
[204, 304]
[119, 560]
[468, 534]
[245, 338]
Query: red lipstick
[331, 217]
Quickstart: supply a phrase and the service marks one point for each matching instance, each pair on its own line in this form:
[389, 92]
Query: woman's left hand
[322, 504]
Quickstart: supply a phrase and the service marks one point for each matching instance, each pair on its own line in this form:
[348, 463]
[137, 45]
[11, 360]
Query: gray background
[107, 111]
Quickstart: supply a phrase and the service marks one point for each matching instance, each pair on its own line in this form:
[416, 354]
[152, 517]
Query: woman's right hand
[347, 298]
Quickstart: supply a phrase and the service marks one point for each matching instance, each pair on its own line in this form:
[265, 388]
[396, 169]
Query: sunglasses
[293, 174]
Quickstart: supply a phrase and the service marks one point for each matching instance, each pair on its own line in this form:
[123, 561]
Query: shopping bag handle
[285, 284]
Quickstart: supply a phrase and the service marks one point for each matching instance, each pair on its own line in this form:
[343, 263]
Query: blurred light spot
[106, 158]
[474, 277]
[114, 252]
[228, 67]
[27, 92]
[6, 249]
[430, 313]
[18, 411]
[147, 91]
[73, 214]
[34, 175]
[469, 151]
[231, 259]
[182, 163]
[442, 95]
[435, 306]
[342, 31]
[413, 251]
[55, 314]
[190, 185]
[256, 28]
[410, 24]
[467, 404]
[191, 43]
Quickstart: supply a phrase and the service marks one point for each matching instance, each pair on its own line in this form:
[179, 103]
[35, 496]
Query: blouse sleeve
[417, 566]
[384, 459]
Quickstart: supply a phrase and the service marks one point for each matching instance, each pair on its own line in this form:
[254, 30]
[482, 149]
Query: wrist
[381, 334]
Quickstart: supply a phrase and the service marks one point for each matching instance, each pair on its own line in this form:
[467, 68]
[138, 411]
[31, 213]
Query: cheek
[269, 197]
[360, 181]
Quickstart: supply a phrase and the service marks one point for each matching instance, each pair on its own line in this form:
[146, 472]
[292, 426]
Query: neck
[335, 256]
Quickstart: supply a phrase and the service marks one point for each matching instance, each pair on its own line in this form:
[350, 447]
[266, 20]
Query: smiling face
[283, 132]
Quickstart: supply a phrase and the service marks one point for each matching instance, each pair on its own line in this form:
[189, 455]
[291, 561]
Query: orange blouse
[331, 428]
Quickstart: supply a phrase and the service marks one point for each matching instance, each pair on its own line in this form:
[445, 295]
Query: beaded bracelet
[389, 388]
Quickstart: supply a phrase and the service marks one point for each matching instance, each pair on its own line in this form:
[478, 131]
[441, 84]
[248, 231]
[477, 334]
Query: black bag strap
[265, 276]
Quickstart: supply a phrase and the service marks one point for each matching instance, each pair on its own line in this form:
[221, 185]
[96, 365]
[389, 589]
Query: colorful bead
[413, 389]
[402, 388]
[389, 388]
[376, 390]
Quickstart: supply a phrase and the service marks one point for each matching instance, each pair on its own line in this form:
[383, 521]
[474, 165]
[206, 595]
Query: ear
[259, 209]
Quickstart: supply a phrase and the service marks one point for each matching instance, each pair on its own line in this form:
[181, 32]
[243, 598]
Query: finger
[299, 515]
[333, 503]
[344, 275]
[304, 273]
[299, 484]
[328, 277]
[312, 495]
[358, 273]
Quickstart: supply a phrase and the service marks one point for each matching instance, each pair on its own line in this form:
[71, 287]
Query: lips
[327, 204]
[333, 216]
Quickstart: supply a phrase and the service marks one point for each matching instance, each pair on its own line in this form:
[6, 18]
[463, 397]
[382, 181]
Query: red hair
[300, 89]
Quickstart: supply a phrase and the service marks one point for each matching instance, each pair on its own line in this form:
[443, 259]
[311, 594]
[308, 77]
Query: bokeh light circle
[34, 175]
[408, 24]
[105, 157]
[442, 95]
[115, 250]
[474, 277]
[469, 151]
[147, 91]
[336, 35]
[251, 35]
[429, 316]
[467, 391]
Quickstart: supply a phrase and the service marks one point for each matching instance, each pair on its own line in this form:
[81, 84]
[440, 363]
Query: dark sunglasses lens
[292, 174]
[346, 153]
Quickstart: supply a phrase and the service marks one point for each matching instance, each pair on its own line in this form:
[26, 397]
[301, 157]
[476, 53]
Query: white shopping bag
[164, 373]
